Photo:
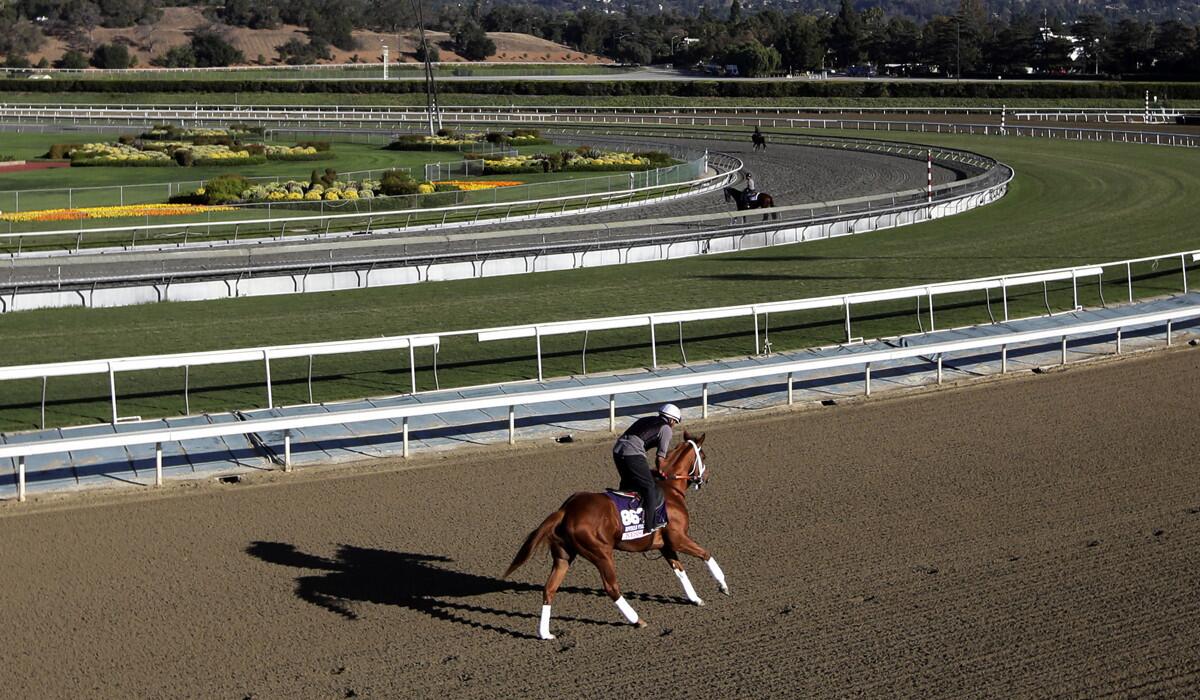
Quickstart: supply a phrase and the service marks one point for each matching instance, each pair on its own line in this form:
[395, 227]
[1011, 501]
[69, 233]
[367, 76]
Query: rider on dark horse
[629, 454]
[750, 192]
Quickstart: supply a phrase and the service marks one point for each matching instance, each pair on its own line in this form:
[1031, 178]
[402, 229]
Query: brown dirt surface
[178, 23]
[1028, 537]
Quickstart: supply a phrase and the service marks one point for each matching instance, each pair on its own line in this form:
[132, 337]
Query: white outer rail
[22, 451]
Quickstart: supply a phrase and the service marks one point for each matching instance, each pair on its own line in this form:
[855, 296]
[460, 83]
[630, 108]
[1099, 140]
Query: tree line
[967, 41]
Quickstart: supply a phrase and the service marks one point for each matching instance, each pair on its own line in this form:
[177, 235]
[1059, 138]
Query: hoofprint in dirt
[1024, 537]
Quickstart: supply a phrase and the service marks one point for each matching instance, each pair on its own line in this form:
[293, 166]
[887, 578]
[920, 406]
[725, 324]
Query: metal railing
[536, 331]
[263, 427]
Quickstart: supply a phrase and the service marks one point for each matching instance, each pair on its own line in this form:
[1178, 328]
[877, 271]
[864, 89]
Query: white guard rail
[433, 340]
[20, 452]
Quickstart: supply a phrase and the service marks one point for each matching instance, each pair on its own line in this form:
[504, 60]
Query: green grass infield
[1071, 203]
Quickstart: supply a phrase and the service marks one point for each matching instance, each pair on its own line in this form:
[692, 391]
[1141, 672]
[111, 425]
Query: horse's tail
[535, 540]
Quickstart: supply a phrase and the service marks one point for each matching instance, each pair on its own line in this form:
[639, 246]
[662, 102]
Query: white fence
[262, 427]
[383, 117]
[650, 321]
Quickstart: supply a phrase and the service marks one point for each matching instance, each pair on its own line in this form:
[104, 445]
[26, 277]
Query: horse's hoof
[550, 636]
[640, 623]
[698, 602]
[725, 590]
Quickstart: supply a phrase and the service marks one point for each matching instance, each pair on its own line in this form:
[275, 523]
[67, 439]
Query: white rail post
[158, 464]
[1064, 350]
[1118, 341]
[612, 413]
[790, 394]
[267, 366]
[112, 390]
[21, 479]
[704, 401]
[1168, 332]
[404, 440]
[412, 368]
[653, 346]
[939, 369]
[287, 450]
[867, 379]
[512, 425]
[537, 334]
[1004, 359]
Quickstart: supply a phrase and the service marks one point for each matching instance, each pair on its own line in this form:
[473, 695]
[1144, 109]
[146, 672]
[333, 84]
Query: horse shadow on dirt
[421, 582]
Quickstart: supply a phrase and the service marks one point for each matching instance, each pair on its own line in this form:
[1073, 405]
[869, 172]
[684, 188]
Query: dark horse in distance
[588, 524]
[762, 201]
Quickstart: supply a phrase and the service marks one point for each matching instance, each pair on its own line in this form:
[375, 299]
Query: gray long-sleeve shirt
[645, 433]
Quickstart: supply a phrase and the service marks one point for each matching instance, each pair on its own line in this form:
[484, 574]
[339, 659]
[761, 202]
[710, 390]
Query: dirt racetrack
[1031, 537]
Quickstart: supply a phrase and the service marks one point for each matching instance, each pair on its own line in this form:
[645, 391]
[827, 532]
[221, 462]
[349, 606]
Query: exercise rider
[629, 454]
[751, 192]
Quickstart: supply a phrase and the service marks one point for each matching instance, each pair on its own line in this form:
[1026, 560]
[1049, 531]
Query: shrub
[255, 149]
[248, 160]
[319, 145]
[184, 157]
[213, 140]
[72, 59]
[329, 177]
[397, 182]
[112, 56]
[59, 151]
[225, 188]
[126, 139]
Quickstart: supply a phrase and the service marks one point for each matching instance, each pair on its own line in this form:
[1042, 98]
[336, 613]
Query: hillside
[178, 23]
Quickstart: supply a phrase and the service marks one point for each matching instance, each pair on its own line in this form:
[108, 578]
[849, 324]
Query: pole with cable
[929, 177]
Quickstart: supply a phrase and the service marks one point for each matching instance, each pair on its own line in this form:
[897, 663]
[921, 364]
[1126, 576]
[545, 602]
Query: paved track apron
[1038, 536]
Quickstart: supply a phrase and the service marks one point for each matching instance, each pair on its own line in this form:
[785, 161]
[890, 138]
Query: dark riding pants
[635, 476]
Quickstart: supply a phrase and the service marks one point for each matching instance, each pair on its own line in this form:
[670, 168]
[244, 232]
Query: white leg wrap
[715, 569]
[544, 625]
[687, 586]
[627, 611]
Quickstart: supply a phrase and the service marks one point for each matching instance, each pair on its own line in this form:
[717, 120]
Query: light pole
[957, 48]
[385, 60]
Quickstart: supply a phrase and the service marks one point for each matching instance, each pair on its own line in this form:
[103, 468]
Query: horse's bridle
[695, 475]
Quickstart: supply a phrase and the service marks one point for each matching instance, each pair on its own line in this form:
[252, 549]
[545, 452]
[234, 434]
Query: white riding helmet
[670, 410]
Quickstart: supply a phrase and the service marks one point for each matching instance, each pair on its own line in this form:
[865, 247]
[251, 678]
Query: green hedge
[300, 156]
[696, 88]
[252, 160]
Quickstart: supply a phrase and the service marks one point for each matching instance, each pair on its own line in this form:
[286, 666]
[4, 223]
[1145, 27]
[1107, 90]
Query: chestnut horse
[588, 524]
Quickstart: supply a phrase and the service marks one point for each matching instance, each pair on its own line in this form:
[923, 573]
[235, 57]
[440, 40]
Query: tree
[72, 59]
[801, 45]
[126, 13]
[472, 43]
[112, 56]
[211, 50]
[434, 54]
[846, 35]
[250, 13]
[180, 56]
[1131, 46]
[735, 12]
[298, 53]
[1174, 42]
[21, 37]
[753, 59]
[1091, 35]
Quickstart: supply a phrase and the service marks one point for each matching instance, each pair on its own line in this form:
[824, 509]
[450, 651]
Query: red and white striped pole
[929, 179]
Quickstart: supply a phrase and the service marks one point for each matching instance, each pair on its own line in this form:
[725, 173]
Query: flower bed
[169, 153]
[583, 158]
[447, 140]
[472, 186]
[111, 212]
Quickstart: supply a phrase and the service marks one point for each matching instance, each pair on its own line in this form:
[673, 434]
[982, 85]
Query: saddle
[629, 510]
[751, 195]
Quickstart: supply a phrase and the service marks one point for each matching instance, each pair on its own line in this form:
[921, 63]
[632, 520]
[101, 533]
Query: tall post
[385, 61]
[928, 176]
[433, 112]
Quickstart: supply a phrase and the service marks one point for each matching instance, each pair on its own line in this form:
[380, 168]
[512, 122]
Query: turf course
[1071, 203]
